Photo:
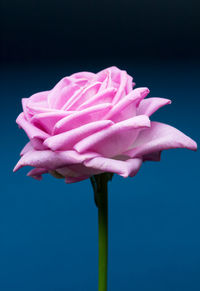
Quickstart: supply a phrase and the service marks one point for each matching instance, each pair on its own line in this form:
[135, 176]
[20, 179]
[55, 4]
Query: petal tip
[17, 167]
[145, 91]
[194, 146]
[167, 101]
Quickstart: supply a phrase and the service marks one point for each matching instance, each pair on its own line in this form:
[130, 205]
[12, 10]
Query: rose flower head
[94, 123]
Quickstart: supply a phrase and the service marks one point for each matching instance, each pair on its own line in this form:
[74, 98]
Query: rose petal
[150, 105]
[160, 137]
[84, 75]
[26, 111]
[79, 118]
[66, 140]
[28, 147]
[83, 78]
[30, 129]
[39, 97]
[105, 78]
[105, 96]
[37, 173]
[37, 144]
[84, 95]
[126, 107]
[65, 94]
[51, 160]
[55, 92]
[115, 74]
[123, 168]
[115, 139]
[122, 87]
[48, 120]
[36, 102]
[129, 84]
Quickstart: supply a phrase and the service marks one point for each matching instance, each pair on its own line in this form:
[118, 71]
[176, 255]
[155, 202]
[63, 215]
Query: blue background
[48, 229]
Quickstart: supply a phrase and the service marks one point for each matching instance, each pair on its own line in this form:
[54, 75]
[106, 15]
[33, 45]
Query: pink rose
[94, 123]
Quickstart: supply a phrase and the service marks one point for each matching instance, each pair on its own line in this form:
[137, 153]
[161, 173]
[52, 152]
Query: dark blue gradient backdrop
[48, 229]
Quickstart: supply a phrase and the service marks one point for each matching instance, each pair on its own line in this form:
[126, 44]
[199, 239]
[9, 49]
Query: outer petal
[30, 129]
[51, 160]
[160, 137]
[115, 139]
[150, 105]
[28, 147]
[126, 107]
[123, 168]
[37, 173]
[27, 114]
[66, 140]
[79, 118]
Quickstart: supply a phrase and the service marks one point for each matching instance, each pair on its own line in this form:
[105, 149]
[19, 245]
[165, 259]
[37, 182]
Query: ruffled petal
[115, 139]
[150, 105]
[160, 137]
[66, 140]
[123, 168]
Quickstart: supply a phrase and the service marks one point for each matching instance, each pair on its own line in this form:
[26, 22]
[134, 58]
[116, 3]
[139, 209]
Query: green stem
[99, 183]
[103, 240]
